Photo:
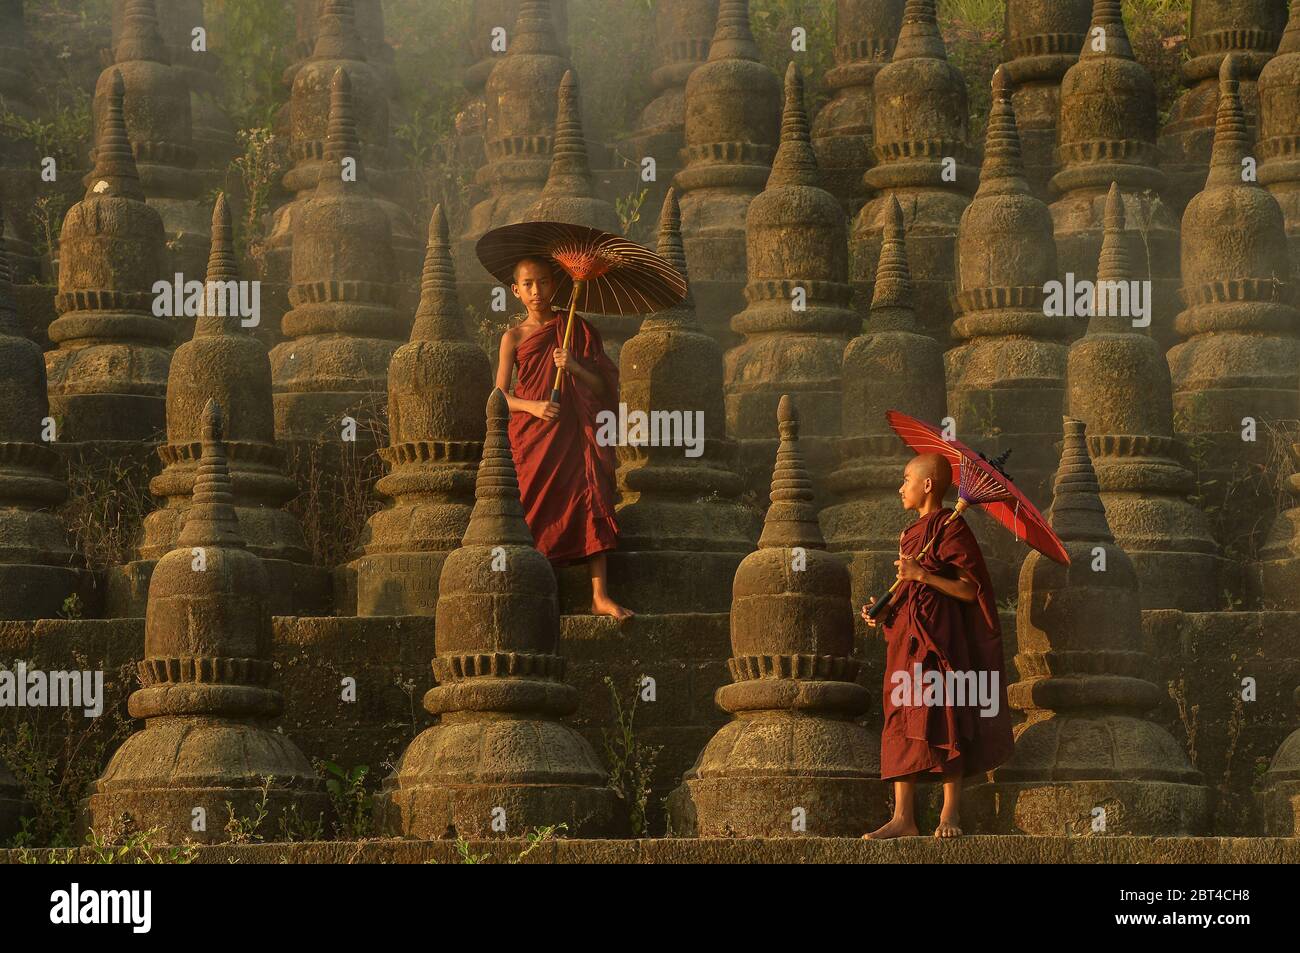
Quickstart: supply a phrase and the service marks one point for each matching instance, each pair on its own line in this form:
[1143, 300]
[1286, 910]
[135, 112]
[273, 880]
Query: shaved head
[934, 467]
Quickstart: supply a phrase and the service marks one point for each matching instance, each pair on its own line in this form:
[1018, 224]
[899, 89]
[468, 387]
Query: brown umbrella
[599, 272]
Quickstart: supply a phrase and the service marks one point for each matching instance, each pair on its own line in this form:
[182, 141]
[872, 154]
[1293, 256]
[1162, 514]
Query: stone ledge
[808, 850]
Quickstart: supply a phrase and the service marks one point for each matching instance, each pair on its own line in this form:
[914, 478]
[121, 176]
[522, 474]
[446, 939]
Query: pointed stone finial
[498, 516]
[673, 251]
[341, 141]
[570, 172]
[223, 267]
[211, 519]
[795, 162]
[1231, 136]
[438, 316]
[1077, 511]
[1107, 35]
[534, 29]
[1113, 266]
[1003, 170]
[792, 518]
[337, 36]
[891, 299]
[115, 172]
[920, 36]
[732, 37]
[140, 39]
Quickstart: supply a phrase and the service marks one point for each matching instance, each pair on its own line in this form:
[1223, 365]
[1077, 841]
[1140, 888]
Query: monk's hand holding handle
[546, 410]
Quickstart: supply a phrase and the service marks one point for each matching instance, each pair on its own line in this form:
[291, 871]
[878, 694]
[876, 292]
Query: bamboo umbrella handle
[568, 335]
[888, 597]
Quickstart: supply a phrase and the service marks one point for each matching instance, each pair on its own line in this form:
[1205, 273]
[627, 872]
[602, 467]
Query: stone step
[972, 849]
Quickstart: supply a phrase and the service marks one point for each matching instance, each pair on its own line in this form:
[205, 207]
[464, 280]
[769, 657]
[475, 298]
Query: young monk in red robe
[566, 478]
[943, 617]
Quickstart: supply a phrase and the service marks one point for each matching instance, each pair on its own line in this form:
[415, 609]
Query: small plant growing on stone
[353, 806]
[72, 607]
[247, 830]
[536, 838]
[630, 761]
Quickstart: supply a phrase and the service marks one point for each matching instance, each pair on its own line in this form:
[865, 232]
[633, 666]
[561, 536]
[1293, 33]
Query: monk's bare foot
[947, 828]
[606, 606]
[894, 828]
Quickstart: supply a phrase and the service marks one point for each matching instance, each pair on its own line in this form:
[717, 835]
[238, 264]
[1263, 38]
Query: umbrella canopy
[616, 276]
[982, 482]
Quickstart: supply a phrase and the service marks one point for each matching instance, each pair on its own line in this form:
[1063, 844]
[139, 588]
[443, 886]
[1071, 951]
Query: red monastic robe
[943, 634]
[566, 479]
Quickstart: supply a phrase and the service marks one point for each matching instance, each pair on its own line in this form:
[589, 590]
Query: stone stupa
[500, 760]
[1117, 383]
[799, 315]
[794, 760]
[437, 383]
[842, 133]
[205, 693]
[1087, 759]
[924, 160]
[38, 570]
[108, 372]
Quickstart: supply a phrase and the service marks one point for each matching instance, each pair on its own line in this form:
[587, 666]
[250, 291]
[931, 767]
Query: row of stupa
[984, 245]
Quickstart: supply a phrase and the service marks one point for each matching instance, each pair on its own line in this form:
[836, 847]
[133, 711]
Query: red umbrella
[980, 482]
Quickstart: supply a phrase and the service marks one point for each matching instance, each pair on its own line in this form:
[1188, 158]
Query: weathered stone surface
[682, 527]
[213, 133]
[436, 385]
[520, 99]
[1118, 384]
[1107, 133]
[108, 374]
[922, 159]
[733, 110]
[338, 44]
[499, 753]
[794, 760]
[1043, 39]
[1278, 149]
[344, 326]
[1237, 372]
[204, 693]
[683, 29]
[865, 34]
[488, 19]
[1006, 375]
[890, 366]
[225, 363]
[1274, 579]
[158, 123]
[1249, 28]
[1086, 743]
[37, 568]
[1280, 798]
[799, 316]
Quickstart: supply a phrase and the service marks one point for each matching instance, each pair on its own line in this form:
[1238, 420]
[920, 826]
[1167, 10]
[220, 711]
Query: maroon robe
[944, 634]
[566, 479]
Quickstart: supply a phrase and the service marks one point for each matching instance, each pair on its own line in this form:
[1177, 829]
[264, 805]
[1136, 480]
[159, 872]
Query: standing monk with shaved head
[945, 696]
